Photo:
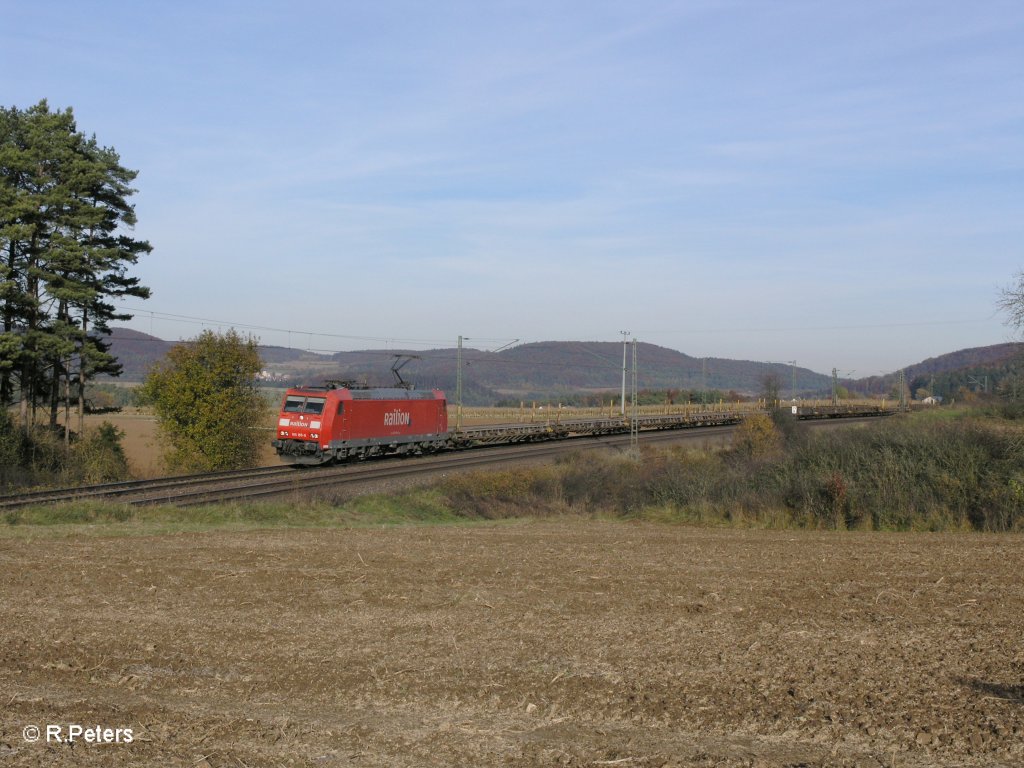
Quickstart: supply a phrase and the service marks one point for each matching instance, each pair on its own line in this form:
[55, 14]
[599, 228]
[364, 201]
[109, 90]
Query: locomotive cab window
[293, 404]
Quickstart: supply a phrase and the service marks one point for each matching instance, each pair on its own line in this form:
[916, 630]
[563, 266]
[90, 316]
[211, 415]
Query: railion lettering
[397, 419]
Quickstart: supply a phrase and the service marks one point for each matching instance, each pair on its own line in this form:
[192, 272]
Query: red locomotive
[321, 424]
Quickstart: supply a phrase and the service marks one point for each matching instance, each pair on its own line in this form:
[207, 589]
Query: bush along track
[913, 474]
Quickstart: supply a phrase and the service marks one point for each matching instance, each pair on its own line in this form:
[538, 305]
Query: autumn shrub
[691, 480]
[43, 456]
[1008, 409]
[494, 495]
[208, 406]
[98, 457]
[895, 475]
[792, 431]
[756, 437]
[602, 482]
[44, 453]
[904, 474]
[12, 452]
[586, 479]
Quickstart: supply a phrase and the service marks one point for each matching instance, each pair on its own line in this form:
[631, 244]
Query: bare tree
[771, 386]
[1011, 302]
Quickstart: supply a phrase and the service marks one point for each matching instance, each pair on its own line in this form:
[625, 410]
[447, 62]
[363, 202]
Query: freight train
[338, 422]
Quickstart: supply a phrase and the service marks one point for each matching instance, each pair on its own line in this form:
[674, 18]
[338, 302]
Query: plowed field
[573, 642]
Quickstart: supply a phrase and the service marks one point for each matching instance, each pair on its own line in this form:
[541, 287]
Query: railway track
[129, 489]
[267, 482]
[411, 468]
[295, 481]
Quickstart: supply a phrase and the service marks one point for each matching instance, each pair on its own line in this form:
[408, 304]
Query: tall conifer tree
[65, 251]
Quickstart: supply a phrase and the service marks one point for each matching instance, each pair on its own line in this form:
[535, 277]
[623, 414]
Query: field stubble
[572, 642]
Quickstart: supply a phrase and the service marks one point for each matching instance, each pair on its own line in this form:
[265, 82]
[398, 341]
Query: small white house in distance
[933, 400]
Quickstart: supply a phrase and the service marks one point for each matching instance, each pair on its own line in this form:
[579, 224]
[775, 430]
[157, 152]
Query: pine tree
[66, 251]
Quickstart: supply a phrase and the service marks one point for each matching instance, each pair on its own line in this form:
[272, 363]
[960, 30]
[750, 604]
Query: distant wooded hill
[976, 369]
[551, 369]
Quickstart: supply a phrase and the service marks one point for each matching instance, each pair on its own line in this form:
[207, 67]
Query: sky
[840, 184]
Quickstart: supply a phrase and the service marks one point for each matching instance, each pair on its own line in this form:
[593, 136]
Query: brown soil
[574, 643]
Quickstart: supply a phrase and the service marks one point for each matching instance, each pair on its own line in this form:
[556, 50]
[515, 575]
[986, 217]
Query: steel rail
[127, 487]
[482, 456]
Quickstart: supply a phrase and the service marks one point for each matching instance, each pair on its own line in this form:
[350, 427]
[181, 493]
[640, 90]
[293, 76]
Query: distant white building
[933, 400]
[266, 375]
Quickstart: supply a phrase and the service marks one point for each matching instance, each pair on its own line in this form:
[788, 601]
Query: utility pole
[903, 391]
[704, 380]
[835, 387]
[793, 387]
[622, 402]
[634, 426]
[458, 387]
